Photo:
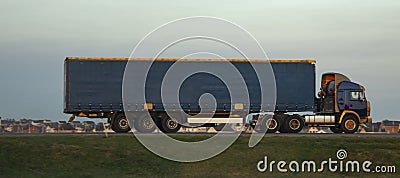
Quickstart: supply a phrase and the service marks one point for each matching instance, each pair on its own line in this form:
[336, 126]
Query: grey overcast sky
[360, 38]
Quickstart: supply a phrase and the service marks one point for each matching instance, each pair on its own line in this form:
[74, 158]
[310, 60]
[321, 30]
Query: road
[307, 135]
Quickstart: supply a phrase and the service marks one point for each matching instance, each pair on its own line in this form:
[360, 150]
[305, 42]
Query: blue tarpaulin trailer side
[94, 88]
[94, 85]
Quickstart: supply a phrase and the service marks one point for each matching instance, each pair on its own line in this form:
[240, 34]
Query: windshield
[357, 95]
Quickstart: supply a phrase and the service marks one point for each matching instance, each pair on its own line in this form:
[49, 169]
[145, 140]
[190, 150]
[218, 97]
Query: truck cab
[344, 99]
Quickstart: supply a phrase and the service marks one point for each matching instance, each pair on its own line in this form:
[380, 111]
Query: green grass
[124, 156]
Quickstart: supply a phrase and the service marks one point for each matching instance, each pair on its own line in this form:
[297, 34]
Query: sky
[360, 38]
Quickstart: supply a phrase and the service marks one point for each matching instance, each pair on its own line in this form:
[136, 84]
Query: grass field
[124, 156]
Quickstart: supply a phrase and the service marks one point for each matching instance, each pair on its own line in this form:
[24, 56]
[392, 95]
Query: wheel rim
[123, 123]
[148, 123]
[350, 124]
[172, 123]
[294, 124]
[271, 124]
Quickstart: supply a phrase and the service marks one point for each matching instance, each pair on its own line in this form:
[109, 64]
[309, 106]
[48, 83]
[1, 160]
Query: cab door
[341, 98]
[356, 102]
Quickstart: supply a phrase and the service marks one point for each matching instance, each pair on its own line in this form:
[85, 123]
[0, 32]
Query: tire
[283, 128]
[170, 125]
[144, 124]
[292, 124]
[120, 124]
[350, 124]
[268, 125]
[336, 129]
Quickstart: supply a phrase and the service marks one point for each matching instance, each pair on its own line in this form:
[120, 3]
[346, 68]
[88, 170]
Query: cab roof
[310, 61]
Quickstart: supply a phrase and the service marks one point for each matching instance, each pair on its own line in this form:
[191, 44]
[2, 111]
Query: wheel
[144, 124]
[170, 125]
[284, 126]
[120, 124]
[268, 124]
[293, 124]
[336, 129]
[350, 124]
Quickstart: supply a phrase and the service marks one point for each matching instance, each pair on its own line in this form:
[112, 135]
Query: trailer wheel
[293, 124]
[144, 124]
[336, 129]
[269, 125]
[170, 125]
[120, 124]
[350, 124]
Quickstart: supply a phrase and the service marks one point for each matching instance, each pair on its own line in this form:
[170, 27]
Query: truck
[93, 89]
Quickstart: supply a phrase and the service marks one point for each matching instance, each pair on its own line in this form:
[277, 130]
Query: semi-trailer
[94, 86]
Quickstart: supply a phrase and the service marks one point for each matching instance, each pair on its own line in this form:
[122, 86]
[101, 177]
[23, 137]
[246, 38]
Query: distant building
[47, 126]
[50, 129]
[29, 128]
[5, 122]
[89, 123]
[390, 126]
[374, 127]
[34, 129]
[6, 125]
[99, 127]
[89, 126]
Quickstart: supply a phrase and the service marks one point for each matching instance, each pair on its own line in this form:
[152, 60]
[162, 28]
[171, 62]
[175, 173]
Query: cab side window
[356, 95]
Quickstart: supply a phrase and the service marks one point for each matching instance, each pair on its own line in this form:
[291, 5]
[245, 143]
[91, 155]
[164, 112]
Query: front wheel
[350, 124]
